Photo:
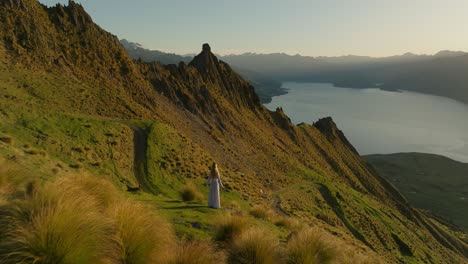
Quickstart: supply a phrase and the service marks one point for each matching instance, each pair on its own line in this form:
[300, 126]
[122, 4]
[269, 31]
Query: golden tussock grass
[77, 219]
[190, 193]
[261, 212]
[254, 246]
[197, 252]
[54, 227]
[101, 189]
[81, 218]
[347, 254]
[233, 206]
[229, 227]
[142, 235]
[288, 223]
[312, 246]
[12, 178]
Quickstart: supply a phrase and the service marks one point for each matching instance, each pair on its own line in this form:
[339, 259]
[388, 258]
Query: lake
[377, 121]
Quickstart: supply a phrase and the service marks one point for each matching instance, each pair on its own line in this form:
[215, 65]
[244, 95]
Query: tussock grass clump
[190, 193]
[228, 228]
[53, 227]
[142, 235]
[77, 219]
[287, 222]
[260, 212]
[101, 189]
[12, 179]
[311, 245]
[197, 252]
[233, 205]
[254, 246]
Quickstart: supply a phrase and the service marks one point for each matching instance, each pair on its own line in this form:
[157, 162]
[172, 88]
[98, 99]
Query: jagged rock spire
[206, 47]
[207, 64]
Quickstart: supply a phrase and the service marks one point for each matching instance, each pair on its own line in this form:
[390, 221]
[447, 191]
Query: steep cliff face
[308, 171]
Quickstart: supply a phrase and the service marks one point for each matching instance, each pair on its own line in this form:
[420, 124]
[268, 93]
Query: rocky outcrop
[228, 82]
[206, 86]
[329, 129]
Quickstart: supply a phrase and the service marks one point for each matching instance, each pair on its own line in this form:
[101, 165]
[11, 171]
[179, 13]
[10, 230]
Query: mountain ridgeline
[442, 74]
[136, 51]
[265, 86]
[58, 67]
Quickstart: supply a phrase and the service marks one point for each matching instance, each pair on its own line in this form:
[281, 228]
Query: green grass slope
[430, 182]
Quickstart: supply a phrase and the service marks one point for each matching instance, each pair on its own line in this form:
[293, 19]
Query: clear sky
[307, 27]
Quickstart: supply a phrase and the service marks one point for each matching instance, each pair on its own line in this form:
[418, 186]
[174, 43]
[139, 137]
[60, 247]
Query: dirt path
[276, 206]
[140, 163]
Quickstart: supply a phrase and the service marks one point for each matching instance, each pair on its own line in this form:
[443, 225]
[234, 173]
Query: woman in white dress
[214, 180]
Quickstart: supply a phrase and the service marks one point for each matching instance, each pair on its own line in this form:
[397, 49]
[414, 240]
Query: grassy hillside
[152, 130]
[430, 182]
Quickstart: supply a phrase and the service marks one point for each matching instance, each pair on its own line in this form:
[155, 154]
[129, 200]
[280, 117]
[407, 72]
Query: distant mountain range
[136, 51]
[265, 86]
[444, 73]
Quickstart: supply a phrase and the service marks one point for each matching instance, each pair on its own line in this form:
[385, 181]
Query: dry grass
[77, 219]
[351, 256]
[197, 252]
[54, 227]
[314, 246]
[311, 246]
[229, 227]
[190, 193]
[101, 189]
[288, 222]
[260, 212]
[142, 235]
[84, 219]
[12, 179]
[233, 206]
[348, 254]
[254, 246]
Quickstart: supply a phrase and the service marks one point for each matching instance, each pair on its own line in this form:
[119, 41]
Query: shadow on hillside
[185, 207]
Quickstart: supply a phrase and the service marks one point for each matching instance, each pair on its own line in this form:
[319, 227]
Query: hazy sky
[307, 27]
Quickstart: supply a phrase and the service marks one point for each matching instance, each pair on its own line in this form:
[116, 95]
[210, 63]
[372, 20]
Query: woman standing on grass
[214, 180]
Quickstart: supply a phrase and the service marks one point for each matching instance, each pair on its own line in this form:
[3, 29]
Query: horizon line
[186, 54]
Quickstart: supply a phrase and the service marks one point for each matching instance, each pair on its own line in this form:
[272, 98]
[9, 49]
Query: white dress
[213, 197]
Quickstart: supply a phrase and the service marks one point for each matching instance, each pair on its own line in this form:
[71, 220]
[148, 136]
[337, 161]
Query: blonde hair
[214, 173]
